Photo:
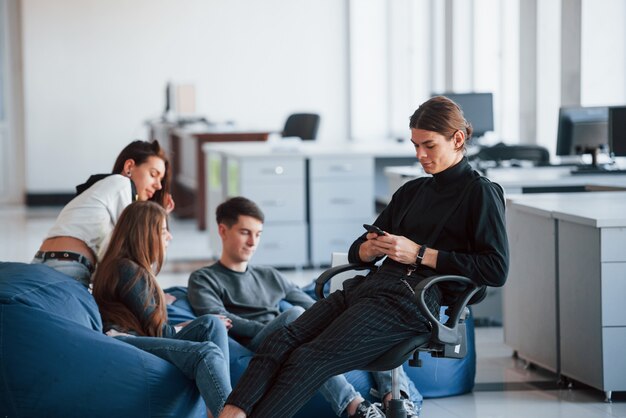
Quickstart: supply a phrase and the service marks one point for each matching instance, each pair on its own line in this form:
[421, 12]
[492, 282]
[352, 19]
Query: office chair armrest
[446, 333]
[333, 271]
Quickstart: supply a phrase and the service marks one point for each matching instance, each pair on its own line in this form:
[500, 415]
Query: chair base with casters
[446, 340]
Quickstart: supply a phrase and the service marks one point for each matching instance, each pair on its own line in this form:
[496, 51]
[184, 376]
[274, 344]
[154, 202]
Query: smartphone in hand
[374, 229]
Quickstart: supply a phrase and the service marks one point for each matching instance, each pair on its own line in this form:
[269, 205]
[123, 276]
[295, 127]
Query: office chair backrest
[302, 125]
[504, 152]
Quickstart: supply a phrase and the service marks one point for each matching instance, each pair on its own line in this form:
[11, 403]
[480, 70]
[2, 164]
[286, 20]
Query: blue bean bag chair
[441, 377]
[55, 361]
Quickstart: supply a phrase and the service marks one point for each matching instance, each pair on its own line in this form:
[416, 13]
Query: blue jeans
[407, 387]
[337, 390]
[200, 352]
[70, 268]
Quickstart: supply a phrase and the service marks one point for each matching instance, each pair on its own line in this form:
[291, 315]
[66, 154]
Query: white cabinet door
[278, 186]
[283, 245]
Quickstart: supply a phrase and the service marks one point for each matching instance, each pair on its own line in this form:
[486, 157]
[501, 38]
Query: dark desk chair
[445, 339]
[503, 152]
[302, 125]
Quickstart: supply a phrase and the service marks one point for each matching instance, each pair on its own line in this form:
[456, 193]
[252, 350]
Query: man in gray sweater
[251, 297]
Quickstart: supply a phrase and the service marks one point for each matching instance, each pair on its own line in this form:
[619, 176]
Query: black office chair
[445, 339]
[302, 125]
[503, 152]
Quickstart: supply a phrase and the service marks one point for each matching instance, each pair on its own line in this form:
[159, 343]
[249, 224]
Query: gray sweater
[250, 299]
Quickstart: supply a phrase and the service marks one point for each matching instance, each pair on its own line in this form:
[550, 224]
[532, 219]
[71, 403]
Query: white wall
[95, 69]
[603, 62]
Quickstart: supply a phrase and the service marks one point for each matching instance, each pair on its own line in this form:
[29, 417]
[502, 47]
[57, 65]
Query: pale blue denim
[407, 387]
[71, 268]
[200, 352]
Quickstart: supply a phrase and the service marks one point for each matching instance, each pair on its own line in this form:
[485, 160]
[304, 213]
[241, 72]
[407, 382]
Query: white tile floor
[505, 387]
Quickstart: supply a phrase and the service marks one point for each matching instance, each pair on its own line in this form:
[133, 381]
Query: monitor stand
[593, 167]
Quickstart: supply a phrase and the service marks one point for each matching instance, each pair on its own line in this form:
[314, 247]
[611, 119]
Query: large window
[517, 49]
[603, 47]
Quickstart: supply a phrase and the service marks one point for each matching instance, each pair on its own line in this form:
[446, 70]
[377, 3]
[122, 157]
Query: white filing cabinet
[340, 201]
[592, 274]
[530, 293]
[277, 184]
[567, 280]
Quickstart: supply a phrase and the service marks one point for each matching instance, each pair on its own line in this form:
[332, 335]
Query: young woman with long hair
[133, 309]
[80, 234]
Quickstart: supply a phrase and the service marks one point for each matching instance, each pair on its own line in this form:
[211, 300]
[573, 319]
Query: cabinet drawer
[282, 203]
[613, 292]
[329, 237]
[282, 245]
[613, 244]
[271, 170]
[335, 200]
[613, 359]
[341, 167]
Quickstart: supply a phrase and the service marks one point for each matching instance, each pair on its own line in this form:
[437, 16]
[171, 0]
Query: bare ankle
[232, 411]
[353, 405]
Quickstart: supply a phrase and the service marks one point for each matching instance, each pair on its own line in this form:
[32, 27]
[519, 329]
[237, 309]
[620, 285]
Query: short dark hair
[228, 212]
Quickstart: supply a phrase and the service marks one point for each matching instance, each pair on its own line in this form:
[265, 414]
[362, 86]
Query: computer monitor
[477, 108]
[582, 130]
[617, 130]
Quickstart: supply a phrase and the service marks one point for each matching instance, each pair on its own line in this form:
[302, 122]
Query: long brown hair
[137, 242]
[140, 151]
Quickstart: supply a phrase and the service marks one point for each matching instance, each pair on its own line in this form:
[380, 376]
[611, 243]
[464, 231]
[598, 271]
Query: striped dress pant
[346, 331]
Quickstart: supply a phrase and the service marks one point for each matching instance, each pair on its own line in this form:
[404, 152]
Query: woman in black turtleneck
[352, 327]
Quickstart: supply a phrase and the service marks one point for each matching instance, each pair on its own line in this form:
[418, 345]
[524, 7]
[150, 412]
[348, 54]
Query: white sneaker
[367, 410]
[411, 410]
[409, 407]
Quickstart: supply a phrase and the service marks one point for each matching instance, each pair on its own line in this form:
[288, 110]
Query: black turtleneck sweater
[473, 243]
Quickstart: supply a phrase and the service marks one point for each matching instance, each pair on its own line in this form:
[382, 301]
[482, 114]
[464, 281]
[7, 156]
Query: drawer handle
[341, 168]
[273, 203]
[278, 170]
[341, 201]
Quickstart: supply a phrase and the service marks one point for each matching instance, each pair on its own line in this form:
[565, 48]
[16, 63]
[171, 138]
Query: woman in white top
[82, 229]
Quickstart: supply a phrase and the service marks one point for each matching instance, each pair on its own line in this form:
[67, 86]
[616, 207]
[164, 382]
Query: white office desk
[516, 180]
[563, 302]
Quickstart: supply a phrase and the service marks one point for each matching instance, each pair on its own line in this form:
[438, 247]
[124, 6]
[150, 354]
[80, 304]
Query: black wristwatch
[420, 255]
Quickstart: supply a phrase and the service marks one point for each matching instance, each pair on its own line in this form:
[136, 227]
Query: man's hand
[396, 247]
[371, 248]
[226, 321]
